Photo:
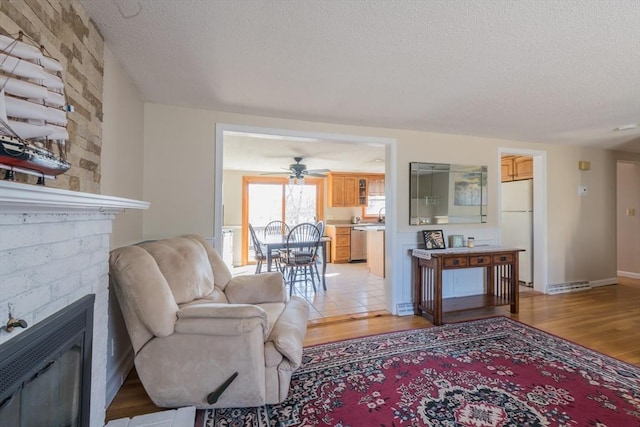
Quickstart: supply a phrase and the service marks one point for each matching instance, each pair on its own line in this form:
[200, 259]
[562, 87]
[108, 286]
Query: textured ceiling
[561, 72]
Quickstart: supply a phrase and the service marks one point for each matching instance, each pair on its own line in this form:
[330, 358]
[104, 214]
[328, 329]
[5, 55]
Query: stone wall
[64, 29]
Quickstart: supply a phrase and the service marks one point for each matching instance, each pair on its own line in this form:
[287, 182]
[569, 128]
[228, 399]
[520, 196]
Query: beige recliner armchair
[193, 325]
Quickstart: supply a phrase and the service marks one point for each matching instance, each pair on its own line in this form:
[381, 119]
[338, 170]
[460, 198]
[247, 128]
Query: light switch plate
[582, 190]
[631, 212]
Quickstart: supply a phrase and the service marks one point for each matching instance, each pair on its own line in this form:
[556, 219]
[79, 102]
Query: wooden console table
[501, 279]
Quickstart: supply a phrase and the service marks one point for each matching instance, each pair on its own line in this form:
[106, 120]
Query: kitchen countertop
[360, 224]
[371, 227]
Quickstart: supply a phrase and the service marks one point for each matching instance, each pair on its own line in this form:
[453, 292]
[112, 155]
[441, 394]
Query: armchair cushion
[288, 332]
[151, 298]
[221, 274]
[221, 319]
[256, 288]
[185, 265]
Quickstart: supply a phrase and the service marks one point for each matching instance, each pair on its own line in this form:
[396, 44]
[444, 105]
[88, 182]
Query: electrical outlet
[582, 190]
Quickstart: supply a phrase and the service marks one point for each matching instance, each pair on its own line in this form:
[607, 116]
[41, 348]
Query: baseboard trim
[603, 282]
[118, 375]
[629, 274]
[312, 323]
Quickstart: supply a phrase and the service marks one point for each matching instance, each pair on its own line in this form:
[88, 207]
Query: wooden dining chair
[257, 250]
[301, 254]
[276, 228]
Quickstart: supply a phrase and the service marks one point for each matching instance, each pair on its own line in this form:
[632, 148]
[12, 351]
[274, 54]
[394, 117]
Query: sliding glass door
[267, 199]
[300, 204]
[264, 204]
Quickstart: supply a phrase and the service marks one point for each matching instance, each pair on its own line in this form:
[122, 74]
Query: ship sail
[33, 111]
[18, 48]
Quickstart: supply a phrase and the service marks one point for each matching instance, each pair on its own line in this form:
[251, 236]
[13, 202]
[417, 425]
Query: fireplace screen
[50, 366]
[56, 387]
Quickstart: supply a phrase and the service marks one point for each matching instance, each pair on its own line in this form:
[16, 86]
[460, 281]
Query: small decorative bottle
[470, 242]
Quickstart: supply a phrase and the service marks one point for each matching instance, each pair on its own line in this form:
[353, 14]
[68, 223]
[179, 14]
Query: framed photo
[433, 239]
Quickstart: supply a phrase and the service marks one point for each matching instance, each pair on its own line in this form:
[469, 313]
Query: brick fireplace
[54, 248]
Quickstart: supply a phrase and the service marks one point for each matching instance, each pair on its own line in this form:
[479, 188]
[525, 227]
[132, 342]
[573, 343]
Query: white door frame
[393, 276]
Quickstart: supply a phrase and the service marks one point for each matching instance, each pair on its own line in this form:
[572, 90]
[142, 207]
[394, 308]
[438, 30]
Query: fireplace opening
[45, 372]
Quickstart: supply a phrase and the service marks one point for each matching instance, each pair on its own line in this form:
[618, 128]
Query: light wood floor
[606, 319]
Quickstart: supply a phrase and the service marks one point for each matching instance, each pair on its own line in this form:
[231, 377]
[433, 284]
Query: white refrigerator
[517, 223]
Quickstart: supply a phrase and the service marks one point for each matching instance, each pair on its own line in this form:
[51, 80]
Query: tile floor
[351, 289]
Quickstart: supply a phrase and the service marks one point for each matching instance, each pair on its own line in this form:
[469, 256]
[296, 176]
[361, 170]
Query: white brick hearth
[54, 249]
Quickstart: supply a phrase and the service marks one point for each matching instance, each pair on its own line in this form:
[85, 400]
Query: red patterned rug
[484, 373]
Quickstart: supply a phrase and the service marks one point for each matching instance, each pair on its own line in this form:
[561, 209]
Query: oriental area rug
[485, 373]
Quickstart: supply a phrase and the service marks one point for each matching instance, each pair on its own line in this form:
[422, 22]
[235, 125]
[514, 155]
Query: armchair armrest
[256, 289]
[221, 319]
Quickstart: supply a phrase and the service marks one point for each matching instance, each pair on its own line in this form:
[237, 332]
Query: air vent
[405, 309]
[563, 288]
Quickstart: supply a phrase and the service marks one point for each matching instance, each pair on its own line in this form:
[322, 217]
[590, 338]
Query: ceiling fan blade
[276, 173]
[319, 175]
[318, 170]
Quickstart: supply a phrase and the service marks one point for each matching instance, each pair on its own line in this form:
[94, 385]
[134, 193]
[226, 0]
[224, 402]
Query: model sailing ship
[33, 110]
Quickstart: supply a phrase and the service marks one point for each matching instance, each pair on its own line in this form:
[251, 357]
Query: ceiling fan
[299, 170]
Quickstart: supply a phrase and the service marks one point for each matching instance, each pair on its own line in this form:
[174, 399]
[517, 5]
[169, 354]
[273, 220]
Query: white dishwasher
[358, 245]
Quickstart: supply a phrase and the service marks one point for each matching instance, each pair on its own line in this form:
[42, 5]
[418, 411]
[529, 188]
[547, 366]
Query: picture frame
[433, 239]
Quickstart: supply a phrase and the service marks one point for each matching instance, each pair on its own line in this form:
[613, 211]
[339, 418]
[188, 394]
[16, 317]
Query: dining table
[273, 243]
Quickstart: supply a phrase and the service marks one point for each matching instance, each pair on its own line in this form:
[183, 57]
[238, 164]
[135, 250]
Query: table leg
[490, 288]
[269, 258]
[417, 286]
[324, 265]
[437, 294]
[515, 285]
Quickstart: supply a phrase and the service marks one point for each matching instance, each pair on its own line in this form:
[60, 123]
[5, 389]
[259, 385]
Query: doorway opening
[303, 142]
[522, 219]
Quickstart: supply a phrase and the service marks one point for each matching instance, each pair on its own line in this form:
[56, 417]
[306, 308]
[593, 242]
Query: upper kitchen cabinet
[375, 198]
[515, 168]
[347, 190]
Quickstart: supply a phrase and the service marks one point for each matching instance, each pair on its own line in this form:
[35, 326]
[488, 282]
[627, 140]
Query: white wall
[232, 197]
[179, 154]
[179, 169]
[122, 148]
[628, 227]
[121, 166]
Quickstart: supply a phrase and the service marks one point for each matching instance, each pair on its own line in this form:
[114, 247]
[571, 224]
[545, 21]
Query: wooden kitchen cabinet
[347, 190]
[515, 168]
[340, 243]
